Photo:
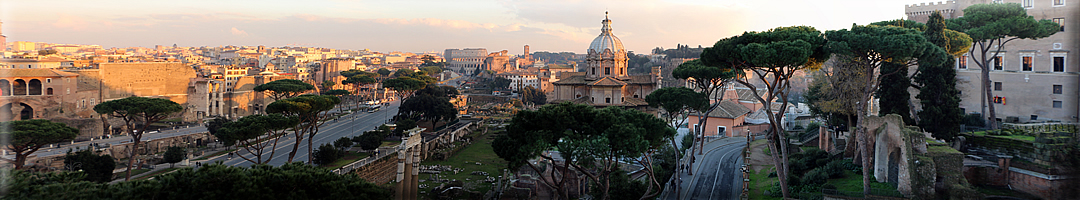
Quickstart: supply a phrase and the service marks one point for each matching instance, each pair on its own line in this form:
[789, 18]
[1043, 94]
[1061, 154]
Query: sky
[422, 26]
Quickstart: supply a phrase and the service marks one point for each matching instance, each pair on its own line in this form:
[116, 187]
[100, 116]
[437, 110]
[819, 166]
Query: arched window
[35, 87]
[48, 91]
[5, 88]
[19, 88]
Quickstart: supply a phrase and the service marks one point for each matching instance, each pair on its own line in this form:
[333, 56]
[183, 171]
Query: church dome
[606, 40]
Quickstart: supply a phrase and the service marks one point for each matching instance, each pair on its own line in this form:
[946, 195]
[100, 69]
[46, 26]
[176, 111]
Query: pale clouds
[238, 32]
[546, 25]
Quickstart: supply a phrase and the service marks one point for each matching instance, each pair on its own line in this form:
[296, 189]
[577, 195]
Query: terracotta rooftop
[16, 73]
[607, 81]
[730, 110]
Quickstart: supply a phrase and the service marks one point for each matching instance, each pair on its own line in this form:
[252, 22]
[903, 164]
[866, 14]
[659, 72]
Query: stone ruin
[918, 164]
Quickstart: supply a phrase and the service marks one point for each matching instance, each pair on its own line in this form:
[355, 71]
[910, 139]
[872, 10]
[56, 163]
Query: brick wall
[379, 172]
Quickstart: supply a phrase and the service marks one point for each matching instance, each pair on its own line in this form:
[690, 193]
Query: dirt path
[758, 159]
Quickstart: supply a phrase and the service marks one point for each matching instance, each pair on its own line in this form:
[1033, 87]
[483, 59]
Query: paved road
[347, 126]
[716, 174]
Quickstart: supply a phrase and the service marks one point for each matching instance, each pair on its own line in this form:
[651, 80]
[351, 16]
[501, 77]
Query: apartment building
[1032, 80]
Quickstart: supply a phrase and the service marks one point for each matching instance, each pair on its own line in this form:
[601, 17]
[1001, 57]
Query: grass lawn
[854, 183]
[389, 143]
[760, 182]
[1015, 137]
[160, 172]
[134, 172]
[349, 158]
[479, 151]
[207, 156]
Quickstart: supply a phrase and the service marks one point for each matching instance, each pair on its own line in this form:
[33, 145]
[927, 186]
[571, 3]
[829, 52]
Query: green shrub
[815, 176]
[974, 120]
[327, 154]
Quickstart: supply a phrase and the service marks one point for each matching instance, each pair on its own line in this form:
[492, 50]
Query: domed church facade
[606, 81]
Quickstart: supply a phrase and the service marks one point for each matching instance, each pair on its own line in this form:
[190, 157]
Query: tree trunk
[990, 115]
[296, 146]
[20, 160]
[131, 155]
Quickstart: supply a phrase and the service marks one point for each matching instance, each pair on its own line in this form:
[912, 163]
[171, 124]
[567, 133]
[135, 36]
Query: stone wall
[88, 128]
[1040, 151]
[381, 171]
[1037, 184]
[158, 145]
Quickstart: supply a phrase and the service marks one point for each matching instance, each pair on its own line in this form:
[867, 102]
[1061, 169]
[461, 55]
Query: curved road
[716, 174]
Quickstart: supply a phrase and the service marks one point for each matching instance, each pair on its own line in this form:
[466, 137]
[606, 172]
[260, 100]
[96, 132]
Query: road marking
[693, 180]
[718, 175]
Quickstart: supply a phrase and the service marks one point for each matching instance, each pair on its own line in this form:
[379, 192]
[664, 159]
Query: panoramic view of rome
[525, 99]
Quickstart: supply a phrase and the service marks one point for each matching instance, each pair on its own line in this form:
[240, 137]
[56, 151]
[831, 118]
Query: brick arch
[25, 112]
[5, 87]
[34, 87]
[19, 87]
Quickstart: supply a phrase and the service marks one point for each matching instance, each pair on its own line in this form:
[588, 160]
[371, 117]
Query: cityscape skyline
[420, 26]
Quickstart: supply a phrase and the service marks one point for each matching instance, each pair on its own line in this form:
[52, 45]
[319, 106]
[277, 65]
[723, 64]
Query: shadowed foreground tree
[174, 155]
[134, 110]
[214, 181]
[27, 136]
[991, 27]
[98, 168]
[870, 47]
[772, 57]
[590, 141]
[941, 114]
[676, 103]
[708, 80]
[254, 133]
[431, 103]
[311, 110]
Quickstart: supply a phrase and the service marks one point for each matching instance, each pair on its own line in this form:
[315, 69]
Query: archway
[894, 166]
[5, 112]
[5, 88]
[27, 112]
[35, 87]
[19, 88]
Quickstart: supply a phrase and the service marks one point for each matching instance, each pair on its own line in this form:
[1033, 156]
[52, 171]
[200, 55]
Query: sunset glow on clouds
[417, 26]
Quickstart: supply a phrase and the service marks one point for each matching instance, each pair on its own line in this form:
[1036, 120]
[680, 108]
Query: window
[999, 100]
[1028, 3]
[999, 63]
[1060, 22]
[997, 86]
[594, 71]
[607, 100]
[695, 128]
[720, 130]
[961, 63]
[1027, 62]
[1057, 104]
[1057, 89]
[607, 71]
[999, 1]
[48, 80]
[1059, 63]
[1059, 2]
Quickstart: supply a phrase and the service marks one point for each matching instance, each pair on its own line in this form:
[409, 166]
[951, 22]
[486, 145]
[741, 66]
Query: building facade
[605, 81]
[465, 61]
[1032, 80]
